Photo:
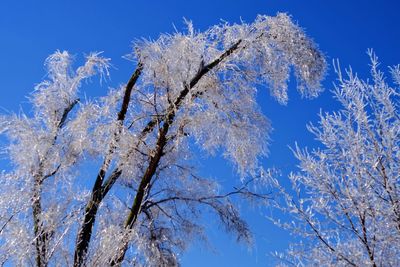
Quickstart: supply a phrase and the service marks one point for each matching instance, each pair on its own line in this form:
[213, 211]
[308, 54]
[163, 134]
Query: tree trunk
[40, 234]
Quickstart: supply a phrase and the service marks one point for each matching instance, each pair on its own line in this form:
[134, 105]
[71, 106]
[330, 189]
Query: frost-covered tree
[346, 204]
[192, 88]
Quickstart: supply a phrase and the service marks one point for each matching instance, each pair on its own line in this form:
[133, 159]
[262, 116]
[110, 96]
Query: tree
[188, 88]
[346, 204]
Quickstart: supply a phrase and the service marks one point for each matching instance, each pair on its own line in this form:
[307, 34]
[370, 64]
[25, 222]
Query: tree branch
[98, 192]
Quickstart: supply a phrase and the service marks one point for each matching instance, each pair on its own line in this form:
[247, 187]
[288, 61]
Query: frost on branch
[146, 197]
[39, 190]
[347, 203]
[221, 110]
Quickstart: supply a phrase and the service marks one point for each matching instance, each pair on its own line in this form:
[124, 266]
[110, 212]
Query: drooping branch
[243, 191]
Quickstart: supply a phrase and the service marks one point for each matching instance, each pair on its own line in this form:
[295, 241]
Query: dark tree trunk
[40, 234]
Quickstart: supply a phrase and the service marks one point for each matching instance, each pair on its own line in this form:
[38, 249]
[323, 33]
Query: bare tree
[193, 88]
[347, 198]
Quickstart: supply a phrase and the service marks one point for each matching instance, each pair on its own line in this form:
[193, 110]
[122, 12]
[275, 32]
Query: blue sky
[31, 30]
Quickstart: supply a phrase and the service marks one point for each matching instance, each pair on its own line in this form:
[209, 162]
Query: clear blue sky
[344, 29]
